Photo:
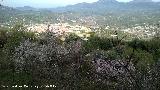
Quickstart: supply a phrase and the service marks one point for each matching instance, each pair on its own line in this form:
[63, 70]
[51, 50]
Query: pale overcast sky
[47, 3]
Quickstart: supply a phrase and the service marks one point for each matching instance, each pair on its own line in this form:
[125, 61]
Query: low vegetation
[100, 63]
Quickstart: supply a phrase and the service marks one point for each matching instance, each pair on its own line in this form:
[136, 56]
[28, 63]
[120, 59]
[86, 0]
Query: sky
[47, 3]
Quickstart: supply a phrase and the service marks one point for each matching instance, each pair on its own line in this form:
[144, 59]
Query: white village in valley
[62, 29]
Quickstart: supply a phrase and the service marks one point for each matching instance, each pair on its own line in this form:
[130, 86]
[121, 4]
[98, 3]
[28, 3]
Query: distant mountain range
[101, 6]
[108, 5]
[26, 8]
[103, 12]
[5, 10]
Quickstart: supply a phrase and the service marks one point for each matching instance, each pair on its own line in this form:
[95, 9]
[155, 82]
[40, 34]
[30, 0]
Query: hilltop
[109, 5]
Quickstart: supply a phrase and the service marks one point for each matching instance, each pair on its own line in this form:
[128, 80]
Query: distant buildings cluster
[61, 29]
[147, 31]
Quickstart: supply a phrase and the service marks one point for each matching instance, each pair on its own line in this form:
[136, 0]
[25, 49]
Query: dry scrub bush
[48, 60]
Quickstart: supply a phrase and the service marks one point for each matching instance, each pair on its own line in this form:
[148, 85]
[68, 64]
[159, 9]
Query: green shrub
[9, 40]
